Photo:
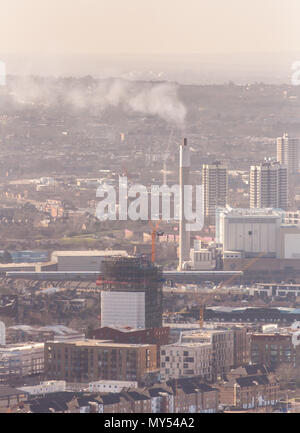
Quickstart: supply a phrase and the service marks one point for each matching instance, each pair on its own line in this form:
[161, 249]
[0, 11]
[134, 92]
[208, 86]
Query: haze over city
[252, 40]
[149, 209]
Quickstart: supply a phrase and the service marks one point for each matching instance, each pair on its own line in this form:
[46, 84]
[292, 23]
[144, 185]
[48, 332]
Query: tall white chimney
[184, 179]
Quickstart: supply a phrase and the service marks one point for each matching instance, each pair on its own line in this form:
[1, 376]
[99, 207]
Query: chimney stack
[184, 179]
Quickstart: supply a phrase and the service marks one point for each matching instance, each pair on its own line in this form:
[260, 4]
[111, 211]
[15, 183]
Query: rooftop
[252, 212]
[20, 346]
[101, 343]
[189, 344]
[90, 253]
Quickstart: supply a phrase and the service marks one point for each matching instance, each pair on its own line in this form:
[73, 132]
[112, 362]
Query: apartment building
[288, 152]
[276, 348]
[126, 334]
[186, 360]
[222, 348]
[92, 360]
[20, 360]
[215, 189]
[241, 353]
[269, 185]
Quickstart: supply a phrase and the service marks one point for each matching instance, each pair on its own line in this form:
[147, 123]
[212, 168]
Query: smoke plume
[160, 99]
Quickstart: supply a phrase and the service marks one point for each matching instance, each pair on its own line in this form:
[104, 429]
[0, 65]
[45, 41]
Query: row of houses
[250, 387]
[183, 396]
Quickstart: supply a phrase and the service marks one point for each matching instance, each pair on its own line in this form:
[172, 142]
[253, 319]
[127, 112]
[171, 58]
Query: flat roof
[251, 212]
[87, 253]
[188, 344]
[273, 334]
[20, 346]
[101, 343]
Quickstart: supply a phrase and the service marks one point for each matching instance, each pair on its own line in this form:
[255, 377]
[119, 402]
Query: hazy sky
[148, 26]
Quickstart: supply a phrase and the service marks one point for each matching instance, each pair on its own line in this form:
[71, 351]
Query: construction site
[135, 280]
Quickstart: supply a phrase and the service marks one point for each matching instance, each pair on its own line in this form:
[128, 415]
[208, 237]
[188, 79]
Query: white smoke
[160, 99]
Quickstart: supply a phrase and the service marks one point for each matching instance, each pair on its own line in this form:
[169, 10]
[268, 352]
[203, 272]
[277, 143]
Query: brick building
[127, 335]
[275, 348]
[91, 360]
[241, 353]
[193, 396]
[181, 396]
[250, 387]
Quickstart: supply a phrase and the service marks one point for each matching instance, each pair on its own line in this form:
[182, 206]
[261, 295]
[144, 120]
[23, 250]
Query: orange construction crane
[153, 235]
[201, 310]
[202, 303]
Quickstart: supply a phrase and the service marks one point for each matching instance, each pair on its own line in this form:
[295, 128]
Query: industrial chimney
[184, 179]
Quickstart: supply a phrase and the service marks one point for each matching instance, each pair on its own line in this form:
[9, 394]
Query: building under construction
[131, 293]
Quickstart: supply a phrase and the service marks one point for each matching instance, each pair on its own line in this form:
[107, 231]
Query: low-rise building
[193, 396]
[111, 385]
[92, 360]
[10, 397]
[279, 290]
[249, 388]
[180, 396]
[43, 388]
[25, 333]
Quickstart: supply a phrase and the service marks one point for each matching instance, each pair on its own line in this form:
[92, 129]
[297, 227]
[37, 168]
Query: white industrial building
[250, 231]
[290, 242]
[123, 309]
[246, 233]
[83, 261]
[202, 259]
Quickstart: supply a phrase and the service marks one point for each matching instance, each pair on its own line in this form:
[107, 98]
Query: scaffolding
[130, 273]
[135, 274]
